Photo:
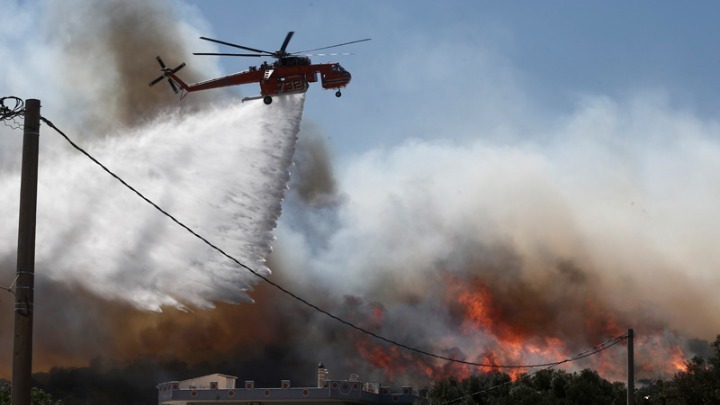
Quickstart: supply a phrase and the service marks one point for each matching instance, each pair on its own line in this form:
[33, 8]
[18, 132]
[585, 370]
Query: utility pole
[24, 286]
[631, 368]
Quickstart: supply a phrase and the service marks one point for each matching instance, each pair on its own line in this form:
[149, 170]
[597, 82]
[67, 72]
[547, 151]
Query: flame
[507, 344]
[659, 356]
[392, 360]
[678, 359]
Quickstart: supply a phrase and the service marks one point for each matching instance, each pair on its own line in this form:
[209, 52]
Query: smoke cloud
[521, 253]
[107, 51]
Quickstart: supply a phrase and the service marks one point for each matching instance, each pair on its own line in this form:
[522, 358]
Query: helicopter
[291, 73]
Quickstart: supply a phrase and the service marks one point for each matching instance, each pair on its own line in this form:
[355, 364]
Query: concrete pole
[24, 286]
[631, 368]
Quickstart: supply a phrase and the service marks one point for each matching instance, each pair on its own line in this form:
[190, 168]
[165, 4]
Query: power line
[11, 286]
[11, 113]
[283, 289]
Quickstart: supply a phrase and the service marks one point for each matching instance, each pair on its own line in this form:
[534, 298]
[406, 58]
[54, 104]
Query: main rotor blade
[287, 41]
[230, 54]
[235, 45]
[334, 46]
[327, 54]
[154, 82]
[172, 85]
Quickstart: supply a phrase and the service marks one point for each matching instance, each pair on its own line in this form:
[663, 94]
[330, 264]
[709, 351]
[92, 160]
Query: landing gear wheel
[267, 100]
[338, 94]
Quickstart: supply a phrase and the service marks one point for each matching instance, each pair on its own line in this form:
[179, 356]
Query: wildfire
[679, 359]
[660, 354]
[506, 344]
[481, 331]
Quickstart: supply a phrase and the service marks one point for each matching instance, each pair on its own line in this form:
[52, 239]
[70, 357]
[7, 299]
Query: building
[222, 389]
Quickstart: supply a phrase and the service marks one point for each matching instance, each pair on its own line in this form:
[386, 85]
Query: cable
[10, 287]
[11, 113]
[278, 286]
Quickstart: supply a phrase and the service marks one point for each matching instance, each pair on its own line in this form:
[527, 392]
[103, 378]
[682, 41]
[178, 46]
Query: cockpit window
[338, 69]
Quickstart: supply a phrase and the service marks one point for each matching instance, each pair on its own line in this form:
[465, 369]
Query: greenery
[543, 387]
[37, 396]
[698, 384]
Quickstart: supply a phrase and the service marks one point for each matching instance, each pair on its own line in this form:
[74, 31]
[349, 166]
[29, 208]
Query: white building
[222, 389]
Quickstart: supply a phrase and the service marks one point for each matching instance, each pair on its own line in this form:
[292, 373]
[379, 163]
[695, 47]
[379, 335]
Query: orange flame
[497, 341]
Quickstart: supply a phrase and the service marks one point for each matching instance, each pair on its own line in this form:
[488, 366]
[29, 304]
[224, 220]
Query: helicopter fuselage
[282, 77]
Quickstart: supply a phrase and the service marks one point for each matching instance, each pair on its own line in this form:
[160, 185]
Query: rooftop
[222, 389]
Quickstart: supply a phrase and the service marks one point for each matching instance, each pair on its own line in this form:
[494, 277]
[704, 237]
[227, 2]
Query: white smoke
[623, 190]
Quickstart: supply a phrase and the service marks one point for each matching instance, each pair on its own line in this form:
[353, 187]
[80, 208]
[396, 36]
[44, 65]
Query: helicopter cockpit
[336, 68]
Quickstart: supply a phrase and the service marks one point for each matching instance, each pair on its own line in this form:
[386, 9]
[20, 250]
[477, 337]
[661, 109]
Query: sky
[492, 61]
[558, 159]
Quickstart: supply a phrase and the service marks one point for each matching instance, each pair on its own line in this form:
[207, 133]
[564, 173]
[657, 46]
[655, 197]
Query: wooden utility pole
[631, 368]
[24, 285]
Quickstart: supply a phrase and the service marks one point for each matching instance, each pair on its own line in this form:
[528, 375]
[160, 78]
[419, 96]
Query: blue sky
[459, 61]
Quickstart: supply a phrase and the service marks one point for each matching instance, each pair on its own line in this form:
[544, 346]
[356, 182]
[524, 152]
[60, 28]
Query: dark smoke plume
[108, 58]
[313, 180]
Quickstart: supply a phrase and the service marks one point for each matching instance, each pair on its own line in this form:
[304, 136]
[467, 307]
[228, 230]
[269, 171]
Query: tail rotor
[166, 71]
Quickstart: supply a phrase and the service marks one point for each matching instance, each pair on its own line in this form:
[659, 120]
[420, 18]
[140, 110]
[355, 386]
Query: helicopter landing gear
[267, 100]
[338, 93]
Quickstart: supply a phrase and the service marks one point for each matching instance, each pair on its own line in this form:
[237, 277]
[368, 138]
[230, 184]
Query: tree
[544, 387]
[37, 396]
[482, 389]
[699, 383]
[588, 388]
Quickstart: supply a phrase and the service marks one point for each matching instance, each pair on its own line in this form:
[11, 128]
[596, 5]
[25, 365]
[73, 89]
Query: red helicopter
[290, 73]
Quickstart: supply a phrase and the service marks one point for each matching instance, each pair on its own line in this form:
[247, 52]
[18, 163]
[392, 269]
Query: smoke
[109, 49]
[521, 253]
[314, 181]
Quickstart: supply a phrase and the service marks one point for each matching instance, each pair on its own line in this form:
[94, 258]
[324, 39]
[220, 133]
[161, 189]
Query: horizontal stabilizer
[251, 98]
